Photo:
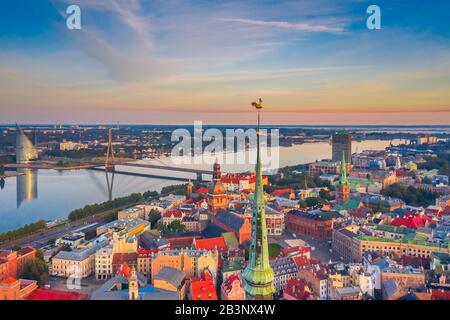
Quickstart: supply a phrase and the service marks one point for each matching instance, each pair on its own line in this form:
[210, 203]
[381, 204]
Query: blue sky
[164, 61]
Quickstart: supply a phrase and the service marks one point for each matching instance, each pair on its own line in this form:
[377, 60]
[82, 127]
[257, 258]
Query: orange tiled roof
[9, 280]
[203, 288]
[211, 243]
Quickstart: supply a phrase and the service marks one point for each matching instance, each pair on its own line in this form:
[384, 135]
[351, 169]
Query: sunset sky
[176, 61]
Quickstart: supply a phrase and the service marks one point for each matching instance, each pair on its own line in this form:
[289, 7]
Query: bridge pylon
[109, 162]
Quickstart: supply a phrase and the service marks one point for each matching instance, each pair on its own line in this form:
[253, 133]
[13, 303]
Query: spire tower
[258, 275]
[343, 188]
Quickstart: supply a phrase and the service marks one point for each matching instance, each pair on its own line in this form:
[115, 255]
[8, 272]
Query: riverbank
[46, 165]
[11, 175]
[41, 237]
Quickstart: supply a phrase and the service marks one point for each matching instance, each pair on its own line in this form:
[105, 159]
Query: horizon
[229, 125]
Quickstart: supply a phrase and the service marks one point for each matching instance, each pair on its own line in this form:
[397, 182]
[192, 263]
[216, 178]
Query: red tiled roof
[9, 280]
[211, 243]
[203, 289]
[417, 261]
[173, 212]
[302, 261]
[440, 294]
[402, 173]
[236, 178]
[411, 220]
[143, 253]
[48, 294]
[200, 202]
[25, 250]
[281, 192]
[297, 250]
[202, 190]
[120, 258]
[125, 270]
[296, 289]
[228, 284]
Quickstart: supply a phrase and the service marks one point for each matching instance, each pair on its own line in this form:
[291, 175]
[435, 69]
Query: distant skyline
[176, 61]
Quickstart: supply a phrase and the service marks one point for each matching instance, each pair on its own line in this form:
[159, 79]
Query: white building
[103, 263]
[72, 240]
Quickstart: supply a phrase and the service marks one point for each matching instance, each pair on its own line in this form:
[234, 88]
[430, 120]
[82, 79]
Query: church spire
[258, 275]
[343, 177]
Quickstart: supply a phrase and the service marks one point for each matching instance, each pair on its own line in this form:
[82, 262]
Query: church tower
[342, 189]
[189, 187]
[258, 275]
[216, 197]
[133, 292]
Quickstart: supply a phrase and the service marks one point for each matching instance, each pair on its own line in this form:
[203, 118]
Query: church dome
[217, 188]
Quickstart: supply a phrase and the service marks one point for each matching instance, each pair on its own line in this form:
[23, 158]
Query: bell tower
[133, 286]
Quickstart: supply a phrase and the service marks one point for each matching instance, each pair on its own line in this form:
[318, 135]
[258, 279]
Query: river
[51, 194]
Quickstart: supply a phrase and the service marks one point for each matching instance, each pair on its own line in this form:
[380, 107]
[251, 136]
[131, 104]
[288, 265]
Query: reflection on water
[27, 185]
[110, 185]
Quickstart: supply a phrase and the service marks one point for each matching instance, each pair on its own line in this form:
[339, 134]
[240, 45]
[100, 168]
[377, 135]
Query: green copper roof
[258, 275]
[343, 176]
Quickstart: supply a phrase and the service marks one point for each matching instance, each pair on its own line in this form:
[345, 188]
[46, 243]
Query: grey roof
[389, 288]
[229, 219]
[81, 254]
[347, 233]
[171, 275]
[124, 224]
[149, 241]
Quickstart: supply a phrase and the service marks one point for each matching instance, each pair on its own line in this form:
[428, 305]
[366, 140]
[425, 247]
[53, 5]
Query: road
[41, 240]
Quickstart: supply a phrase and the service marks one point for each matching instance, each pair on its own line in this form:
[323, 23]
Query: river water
[51, 194]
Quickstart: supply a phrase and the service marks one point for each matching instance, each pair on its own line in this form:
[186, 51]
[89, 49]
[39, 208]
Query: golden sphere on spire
[258, 105]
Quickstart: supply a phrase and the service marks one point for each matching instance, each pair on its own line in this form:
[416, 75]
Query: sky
[179, 61]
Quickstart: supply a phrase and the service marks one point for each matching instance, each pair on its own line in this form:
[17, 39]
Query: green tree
[2, 169]
[302, 203]
[325, 195]
[150, 194]
[36, 269]
[153, 216]
[311, 201]
[176, 225]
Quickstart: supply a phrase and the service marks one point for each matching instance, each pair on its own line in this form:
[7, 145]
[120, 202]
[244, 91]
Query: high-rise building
[258, 275]
[25, 150]
[341, 142]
